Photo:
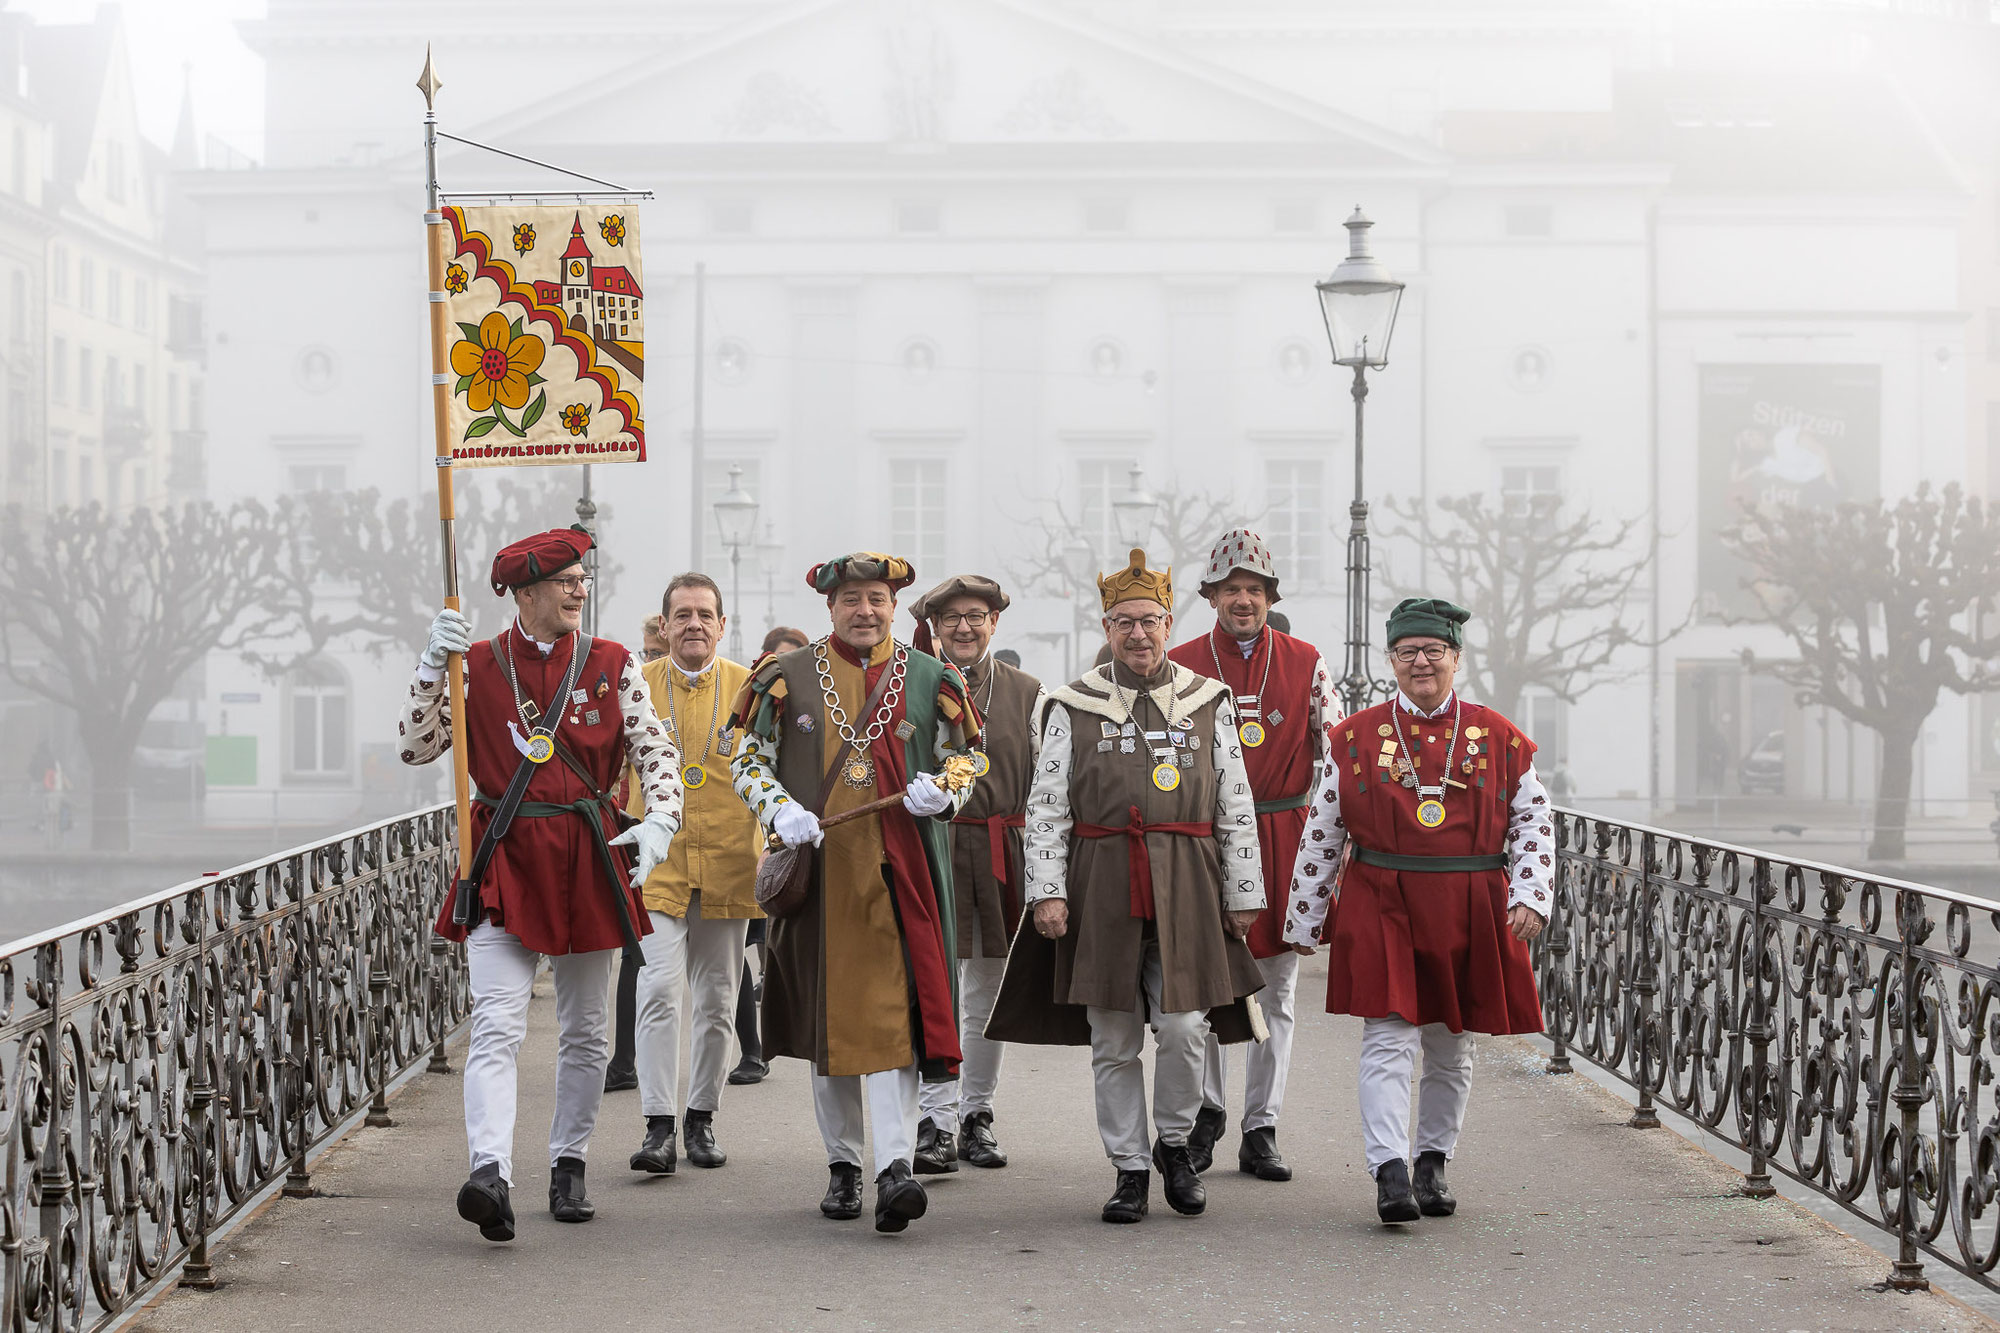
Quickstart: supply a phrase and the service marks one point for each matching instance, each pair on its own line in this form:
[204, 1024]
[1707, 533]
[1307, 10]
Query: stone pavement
[1567, 1220]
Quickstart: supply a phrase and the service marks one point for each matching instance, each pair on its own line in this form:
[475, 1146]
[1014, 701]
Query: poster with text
[1809, 435]
[547, 348]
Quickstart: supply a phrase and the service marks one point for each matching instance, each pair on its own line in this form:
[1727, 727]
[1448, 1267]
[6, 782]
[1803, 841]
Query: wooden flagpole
[434, 225]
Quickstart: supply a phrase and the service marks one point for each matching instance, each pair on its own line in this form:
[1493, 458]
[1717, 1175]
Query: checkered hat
[1243, 549]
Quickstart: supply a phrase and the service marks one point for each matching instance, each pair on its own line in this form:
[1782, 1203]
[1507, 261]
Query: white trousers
[1388, 1054]
[979, 1073]
[686, 955]
[1179, 1047]
[502, 974]
[891, 1098]
[1266, 1064]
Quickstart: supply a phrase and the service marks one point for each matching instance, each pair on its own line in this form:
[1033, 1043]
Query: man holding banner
[552, 716]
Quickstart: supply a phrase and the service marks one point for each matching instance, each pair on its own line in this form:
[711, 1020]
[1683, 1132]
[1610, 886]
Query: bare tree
[1548, 589]
[119, 608]
[1185, 527]
[1887, 606]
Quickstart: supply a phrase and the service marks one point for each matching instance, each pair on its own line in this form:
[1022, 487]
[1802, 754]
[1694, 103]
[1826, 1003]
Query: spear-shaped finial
[428, 82]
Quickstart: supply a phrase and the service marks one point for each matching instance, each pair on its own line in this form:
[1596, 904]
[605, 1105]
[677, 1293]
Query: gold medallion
[1252, 734]
[981, 765]
[541, 747]
[1385, 730]
[1166, 776]
[1473, 733]
[1430, 813]
[695, 776]
[859, 772]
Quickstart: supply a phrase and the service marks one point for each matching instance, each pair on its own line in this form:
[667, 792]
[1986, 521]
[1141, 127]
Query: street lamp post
[736, 521]
[1132, 513]
[1079, 564]
[769, 552]
[1359, 305]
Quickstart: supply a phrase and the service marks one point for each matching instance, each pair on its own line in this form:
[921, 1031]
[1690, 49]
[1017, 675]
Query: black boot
[1209, 1123]
[1259, 1155]
[976, 1143]
[1393, 1200]
[656, 1154]
[620, 1078]
[749, 1069]
[937, 1154]
[483, 1201]
[1433, 1196]
[1128, 1201]
[843, 1192]
[1179, 1181]
[698, 1132]
[899, 1199]
[566, 1200]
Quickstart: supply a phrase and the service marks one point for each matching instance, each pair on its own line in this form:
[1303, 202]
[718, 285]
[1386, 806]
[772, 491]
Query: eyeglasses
[970, 619]
[574, 585]
[1123, 626]
[1430, 652]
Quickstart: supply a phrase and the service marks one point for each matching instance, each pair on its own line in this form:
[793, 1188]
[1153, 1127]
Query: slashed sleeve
[1235, 817]
[1049, 819]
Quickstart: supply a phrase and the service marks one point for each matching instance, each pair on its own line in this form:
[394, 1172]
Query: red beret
[533, 559]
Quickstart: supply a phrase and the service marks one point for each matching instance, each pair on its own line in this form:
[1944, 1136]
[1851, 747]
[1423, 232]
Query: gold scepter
[959, 773]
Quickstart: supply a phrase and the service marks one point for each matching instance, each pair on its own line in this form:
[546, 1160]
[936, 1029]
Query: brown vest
[1002, 793]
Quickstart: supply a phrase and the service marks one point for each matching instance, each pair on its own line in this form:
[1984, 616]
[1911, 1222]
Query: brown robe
[1050, 983]
[1002, 793]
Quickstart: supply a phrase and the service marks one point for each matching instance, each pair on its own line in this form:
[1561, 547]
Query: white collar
[1403, 700]
[546, 648]
[693, 677]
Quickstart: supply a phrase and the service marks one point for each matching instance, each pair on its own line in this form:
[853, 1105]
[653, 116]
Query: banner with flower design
[547, 358]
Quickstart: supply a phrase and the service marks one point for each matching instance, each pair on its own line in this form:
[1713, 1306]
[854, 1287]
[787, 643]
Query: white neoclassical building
[965, 263]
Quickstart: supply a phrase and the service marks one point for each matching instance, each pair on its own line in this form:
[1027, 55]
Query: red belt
[1141, 865]
[996, 842]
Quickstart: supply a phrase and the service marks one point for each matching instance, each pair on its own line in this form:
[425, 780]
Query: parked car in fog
[1763, 769]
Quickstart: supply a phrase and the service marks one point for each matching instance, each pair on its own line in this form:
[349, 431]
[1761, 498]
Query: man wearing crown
[1142, 879]
[1284, 704]
[553, 716]
[860, 980]
[1450, 856]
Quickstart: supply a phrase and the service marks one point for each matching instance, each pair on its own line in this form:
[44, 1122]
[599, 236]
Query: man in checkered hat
[1284, 706]
[552, 718]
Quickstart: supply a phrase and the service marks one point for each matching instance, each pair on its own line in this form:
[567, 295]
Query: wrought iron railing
[1838, 1028]
[163, 1064]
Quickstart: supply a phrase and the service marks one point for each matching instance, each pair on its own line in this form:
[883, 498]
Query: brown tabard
[1097, 961]
[1001, 794]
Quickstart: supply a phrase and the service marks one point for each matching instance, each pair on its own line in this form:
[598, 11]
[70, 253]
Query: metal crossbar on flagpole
[539, 199]
[531, 161]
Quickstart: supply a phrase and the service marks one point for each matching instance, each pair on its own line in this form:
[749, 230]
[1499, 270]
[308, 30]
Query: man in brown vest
[1143, 877]
[960, 617]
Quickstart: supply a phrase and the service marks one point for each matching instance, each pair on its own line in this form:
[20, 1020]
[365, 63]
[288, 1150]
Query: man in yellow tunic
[860, 980]
[702, 898]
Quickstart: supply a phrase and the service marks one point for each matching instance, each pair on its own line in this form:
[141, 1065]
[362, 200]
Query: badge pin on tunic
[1104, 747]
[1127, 745]
[1277, 718]
[695, 776]
[603, 686]
[590, 717]
[981, 765]
[904, 731]
[804, 722]
[579, 696]
[1110, 730]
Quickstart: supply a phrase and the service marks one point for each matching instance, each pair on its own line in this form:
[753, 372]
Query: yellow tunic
[716, 849]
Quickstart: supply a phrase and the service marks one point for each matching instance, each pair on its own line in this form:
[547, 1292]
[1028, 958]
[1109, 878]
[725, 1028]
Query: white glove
[797, 825]
[450, 633]
[649, 840]
[924, 797]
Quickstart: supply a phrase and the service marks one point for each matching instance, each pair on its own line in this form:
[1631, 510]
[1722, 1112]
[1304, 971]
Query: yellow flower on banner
[577, 417]
[524, 238]
[454, 279]
[499, 364]
[612, 228]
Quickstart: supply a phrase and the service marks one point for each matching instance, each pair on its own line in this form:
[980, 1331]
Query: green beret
[1429, 616]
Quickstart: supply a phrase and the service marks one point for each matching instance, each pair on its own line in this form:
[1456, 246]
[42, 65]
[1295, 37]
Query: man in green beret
[1428, 924]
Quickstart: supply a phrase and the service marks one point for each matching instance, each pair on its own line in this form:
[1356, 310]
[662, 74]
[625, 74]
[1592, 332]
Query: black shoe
[1179, 1181]
[1393, 1200]
[620, 1078]
[656, 1154]
[1433, 1197]
[899, 1200]
[483, 1200]
[698, 1132]
[748, 1071]
[1128, 1202]
[843, 1192]
[1209, 1123]
[1259, 1155]
[566, 1201]
[937, 1154]
[976, 1143]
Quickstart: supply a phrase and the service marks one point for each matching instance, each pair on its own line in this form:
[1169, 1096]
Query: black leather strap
[1439, 865]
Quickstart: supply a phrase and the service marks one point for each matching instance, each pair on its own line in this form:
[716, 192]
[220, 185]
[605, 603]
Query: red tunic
[1282, 768]
[1431, 947]
[545, 884]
